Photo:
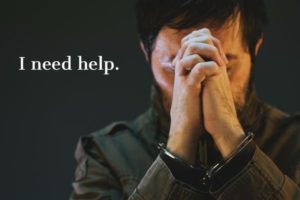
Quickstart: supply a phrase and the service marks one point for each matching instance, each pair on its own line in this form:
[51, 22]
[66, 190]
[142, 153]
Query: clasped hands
[202, 98]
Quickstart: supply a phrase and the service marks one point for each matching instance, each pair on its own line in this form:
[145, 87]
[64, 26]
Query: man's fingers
[201, 71]
[218, 44]
[206, 39]
[206, 51]
[203, 36]
[203, 31]
[200, 39]
[176, 59]
[187, 63]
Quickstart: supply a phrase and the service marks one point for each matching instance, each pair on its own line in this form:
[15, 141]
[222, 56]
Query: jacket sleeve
[159, 183]
[259, 179]
[94, 180]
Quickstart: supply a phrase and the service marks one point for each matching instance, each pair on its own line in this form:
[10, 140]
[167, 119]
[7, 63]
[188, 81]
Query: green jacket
[122, 161]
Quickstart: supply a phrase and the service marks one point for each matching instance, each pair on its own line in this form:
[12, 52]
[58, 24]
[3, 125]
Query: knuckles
[206, 39]
[190, 62]
[196, 58]
[214, 50]
[205, 30]
[193, 44]
[193, 47]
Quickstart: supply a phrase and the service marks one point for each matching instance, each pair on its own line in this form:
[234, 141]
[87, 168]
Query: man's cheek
[239, 73]
[166, 88]
[165, 80]
[167, 92]
[238, 88]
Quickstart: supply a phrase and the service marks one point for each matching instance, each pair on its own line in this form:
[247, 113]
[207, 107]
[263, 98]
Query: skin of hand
[201, 76]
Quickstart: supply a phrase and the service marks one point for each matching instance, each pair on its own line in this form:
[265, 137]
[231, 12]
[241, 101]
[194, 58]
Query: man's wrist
[227, 169]
[204, 177]
[195, 176]
[183, 146]
[227, 141]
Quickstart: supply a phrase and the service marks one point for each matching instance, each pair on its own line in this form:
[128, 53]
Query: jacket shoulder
[294, 119]
[279, 122]
[292, 145]
[286, 128]
[113, 128]
[292, 128]
[123, 147]
[291, 124]
[120, 127]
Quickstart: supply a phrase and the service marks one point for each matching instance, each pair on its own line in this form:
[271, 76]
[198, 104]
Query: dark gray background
[44, 113]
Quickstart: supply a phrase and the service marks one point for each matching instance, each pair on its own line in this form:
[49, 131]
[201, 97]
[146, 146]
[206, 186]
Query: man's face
[168, 43]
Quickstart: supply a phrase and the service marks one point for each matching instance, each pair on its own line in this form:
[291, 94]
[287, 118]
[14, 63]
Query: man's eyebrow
[231, 56]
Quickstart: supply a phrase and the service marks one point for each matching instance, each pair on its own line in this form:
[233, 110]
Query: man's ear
[258, 45]
[144, 51]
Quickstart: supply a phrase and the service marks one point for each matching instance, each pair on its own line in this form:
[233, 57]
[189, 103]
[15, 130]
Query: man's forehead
[231, 30]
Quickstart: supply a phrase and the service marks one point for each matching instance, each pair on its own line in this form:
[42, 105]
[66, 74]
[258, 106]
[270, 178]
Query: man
[204, 114]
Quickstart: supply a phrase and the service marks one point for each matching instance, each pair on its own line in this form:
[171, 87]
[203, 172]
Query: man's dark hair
[152, 15]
